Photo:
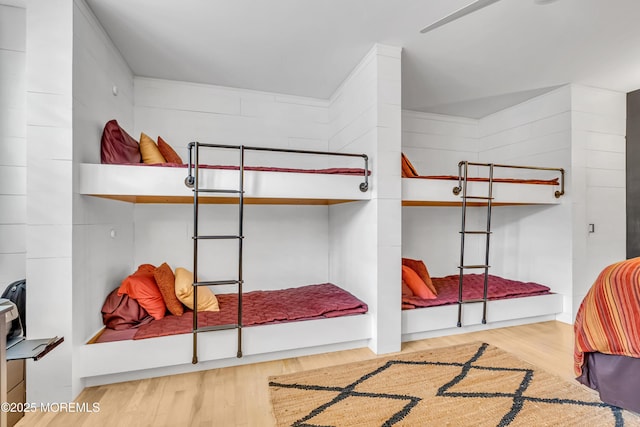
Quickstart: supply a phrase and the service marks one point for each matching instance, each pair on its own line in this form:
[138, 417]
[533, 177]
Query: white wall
[49, 194]
[598, 127]
[100, 260]
[285, 246]
[182, 112]
[365, 117]
[532, 243]
[13, 146]
[435, 144]
[71, 260]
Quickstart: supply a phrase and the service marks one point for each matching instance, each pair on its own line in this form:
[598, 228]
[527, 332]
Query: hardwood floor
[239, 396]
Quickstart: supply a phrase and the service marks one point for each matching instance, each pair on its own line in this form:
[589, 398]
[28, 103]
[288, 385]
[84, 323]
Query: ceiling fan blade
[476, 5]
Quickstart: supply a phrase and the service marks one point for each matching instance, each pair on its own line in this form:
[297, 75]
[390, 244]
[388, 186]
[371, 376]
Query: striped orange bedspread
[608, 320]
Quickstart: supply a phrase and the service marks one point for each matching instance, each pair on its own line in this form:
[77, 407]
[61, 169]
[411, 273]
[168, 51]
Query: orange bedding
[326, 171]
[553, 181]
[608, 320]
[409, 171]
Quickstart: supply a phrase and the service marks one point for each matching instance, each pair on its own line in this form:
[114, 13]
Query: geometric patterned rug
[472, 384]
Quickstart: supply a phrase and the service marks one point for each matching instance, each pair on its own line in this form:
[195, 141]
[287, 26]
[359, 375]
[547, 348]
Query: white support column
[49, 67]
[365, 255]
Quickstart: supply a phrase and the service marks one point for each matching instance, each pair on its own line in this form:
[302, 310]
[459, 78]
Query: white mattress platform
[441, 320]
[149, 184]
[116, 361]
[439, 192]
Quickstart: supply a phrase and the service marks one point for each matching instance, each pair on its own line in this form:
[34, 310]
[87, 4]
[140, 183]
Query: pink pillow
[416, 284]
[142, 287]
[117, 147]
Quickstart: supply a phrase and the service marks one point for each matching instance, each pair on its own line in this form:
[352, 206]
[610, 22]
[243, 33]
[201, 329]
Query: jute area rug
[473, 384]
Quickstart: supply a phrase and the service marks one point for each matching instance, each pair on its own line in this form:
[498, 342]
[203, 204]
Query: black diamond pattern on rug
[518, 396]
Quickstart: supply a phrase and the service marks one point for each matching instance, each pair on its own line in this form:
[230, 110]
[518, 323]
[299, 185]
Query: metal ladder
[463, 169]
[192, 181]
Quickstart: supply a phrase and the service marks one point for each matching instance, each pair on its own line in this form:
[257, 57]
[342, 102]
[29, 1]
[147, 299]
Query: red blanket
[409, 171]
[473, 285]
[327, 171]
[608, 320]
[263, 307]
[553, 181]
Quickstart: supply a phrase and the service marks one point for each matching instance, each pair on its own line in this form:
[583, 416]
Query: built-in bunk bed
[467, 298]
[152, 180]
[271, 317]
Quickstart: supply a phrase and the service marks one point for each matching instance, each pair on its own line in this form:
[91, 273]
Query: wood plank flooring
[239, 396]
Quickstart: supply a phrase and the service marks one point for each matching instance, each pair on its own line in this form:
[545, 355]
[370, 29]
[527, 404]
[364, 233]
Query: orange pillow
[168, 153]
[406, 290]
[149, 150]
[419, 267]
[207, 300]
[167, 284]
[142, 287]
[408, 171]
[416, 284]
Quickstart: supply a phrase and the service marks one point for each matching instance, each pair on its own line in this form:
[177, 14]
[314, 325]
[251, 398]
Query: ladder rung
[216, 328]
[220, 237]
[476, 232]
[471, 301]
[218, 282]
[474, 266]
[477, 197]
[214, 190]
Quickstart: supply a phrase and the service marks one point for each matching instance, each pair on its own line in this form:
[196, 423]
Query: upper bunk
[523, 187]
[165, 182]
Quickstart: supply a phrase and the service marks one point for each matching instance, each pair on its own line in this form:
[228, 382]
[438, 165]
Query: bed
[321, 316]
[332, 320]
[607, 336]
[147, 172]
[473, 286]
[148, 184]
[319, 301]
[510, 302]
[430, 305]
[528, 185]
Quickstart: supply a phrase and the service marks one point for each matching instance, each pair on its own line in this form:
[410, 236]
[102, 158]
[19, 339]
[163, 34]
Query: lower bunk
[135, 359]
[510, 302]
[307, 319]
[258, 308]
[438, 321]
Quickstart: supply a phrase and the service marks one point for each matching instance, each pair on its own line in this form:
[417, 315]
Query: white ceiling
[498, 56]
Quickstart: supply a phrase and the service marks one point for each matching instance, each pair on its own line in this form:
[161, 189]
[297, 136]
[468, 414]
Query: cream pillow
[149, 150]
[207, 301]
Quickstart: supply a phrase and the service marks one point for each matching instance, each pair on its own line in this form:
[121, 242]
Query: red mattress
[258, 308]
[473, 285]
[409, 171]
[327, 171]
[553, 181]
